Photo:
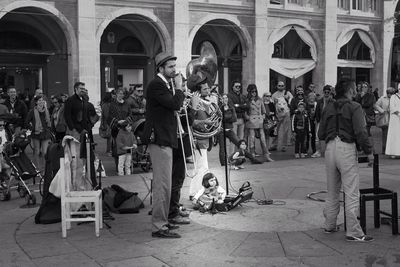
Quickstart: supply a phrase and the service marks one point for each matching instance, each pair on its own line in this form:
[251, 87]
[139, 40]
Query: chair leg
[63, 221]
[97, 218]
[395, 220]
[363, 214]
[68, 214]
[377, 213]
[101, 212]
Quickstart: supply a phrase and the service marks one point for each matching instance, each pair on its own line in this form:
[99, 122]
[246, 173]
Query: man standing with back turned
[342, 126]
[161, 132]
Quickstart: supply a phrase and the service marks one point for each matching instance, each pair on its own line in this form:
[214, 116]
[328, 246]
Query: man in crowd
[76, 111]
[160, 131]
[342, 126]
[239, 101]
[282, 99]
[17, 107]
[137, 102]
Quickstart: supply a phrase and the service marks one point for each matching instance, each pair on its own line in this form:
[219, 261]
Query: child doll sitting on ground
[239, 157]
[125, 141]
[211, 196]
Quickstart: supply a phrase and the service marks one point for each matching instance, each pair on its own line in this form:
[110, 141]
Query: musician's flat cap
[163, 57]
[194, 80]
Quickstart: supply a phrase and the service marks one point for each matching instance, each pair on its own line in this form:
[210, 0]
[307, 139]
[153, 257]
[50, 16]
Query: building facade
[113, 43]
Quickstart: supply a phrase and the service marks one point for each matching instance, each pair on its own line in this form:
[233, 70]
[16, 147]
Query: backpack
[118, 200]
[245, 193]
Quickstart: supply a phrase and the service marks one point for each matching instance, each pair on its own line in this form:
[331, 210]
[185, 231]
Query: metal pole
[225, 152]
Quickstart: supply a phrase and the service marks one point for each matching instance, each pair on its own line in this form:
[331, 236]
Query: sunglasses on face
[237, 86]
[281, 86]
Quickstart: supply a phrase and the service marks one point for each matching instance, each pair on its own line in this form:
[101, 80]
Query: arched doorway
[356, 57]
[293, 57]
[128, 46]
[33, 52]
[228, 45]
[395, 66]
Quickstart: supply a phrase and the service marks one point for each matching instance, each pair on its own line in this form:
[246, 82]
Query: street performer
[160, 132]
[342, 126]
[202, 107]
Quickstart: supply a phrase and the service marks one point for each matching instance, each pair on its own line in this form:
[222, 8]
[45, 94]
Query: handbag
[269, 124]
[104, 130]
[382, 120]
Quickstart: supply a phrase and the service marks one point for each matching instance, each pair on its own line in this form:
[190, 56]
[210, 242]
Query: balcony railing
[360, 7]
[296, 4]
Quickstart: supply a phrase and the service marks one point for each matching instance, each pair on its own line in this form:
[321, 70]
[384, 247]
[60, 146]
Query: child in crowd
[301, 130]
[125, 142]
[239, 157]
[311, 112]
[210, 194]
[5, 169]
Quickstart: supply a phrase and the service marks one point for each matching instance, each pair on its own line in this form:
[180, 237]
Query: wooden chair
[68, 197]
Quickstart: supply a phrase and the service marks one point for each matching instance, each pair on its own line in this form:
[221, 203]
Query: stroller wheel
[5, 195]
[145, 167]
[30, 199]
[41, 184]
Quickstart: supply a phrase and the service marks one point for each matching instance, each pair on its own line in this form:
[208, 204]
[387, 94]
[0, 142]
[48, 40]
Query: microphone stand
[225, 152]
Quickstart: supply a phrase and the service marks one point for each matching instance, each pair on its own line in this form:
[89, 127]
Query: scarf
[38, 121]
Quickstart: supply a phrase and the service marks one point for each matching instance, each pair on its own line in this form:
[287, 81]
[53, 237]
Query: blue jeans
[342, 169]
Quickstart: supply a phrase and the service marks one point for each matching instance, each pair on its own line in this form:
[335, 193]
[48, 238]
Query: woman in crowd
[120, 111]
[255, 120]
[270, 122]
[367, 103]
[394, 127]
[38, 121]
[105, 129]
[58, 123]
[229, 117]
[382, 118]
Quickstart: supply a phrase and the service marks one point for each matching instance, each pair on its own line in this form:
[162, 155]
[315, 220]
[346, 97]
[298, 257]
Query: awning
[344, 38]
[292, 68]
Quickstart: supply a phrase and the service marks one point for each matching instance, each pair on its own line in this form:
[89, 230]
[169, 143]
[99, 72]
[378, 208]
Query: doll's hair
[207, 177]
[241, 141]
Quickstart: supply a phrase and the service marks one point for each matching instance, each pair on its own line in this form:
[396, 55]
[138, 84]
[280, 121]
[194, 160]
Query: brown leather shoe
[165, 234]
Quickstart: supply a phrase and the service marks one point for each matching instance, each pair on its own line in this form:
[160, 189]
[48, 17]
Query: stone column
[261, 54]
[87, 47]
[389, 8]
[182, 47]
[330, 53]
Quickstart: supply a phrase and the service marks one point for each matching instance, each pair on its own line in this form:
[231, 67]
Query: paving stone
[222, 244]
[299, 244]
[116, 251]
[75, 259]
[13, 256]
[260, 245]
[45, 244]
[137, 262]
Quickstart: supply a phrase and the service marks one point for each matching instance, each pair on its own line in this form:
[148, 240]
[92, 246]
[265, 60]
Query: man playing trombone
[160, 131]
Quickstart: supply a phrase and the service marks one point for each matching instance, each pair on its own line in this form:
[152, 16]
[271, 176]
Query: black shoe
[172, 226]
[364, 238]
[179, 220]
[165, 234]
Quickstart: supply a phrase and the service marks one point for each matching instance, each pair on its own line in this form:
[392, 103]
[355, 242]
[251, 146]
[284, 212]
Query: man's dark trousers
[178, 176]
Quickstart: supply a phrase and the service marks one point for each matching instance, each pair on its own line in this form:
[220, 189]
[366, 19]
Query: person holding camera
[342, 126]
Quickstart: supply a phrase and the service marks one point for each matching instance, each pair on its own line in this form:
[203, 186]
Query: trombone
[182, 132]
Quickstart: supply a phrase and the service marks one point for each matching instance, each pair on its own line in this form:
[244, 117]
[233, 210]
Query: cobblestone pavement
[252, 235]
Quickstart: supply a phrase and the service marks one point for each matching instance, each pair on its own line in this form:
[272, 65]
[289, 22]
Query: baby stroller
[22, 169]
[140, 156]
